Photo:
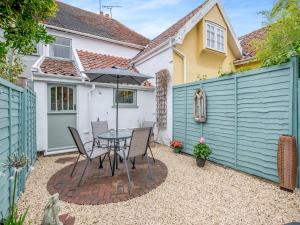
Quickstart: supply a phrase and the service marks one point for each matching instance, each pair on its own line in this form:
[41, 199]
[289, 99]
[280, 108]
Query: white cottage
[84, 40]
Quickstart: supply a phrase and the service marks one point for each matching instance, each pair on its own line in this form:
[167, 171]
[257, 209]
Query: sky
[152, 17]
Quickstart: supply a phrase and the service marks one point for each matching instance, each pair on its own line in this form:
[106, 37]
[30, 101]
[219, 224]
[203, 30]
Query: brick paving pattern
[98, 187]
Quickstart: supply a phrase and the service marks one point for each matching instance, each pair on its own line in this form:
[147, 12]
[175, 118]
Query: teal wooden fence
[17, 134]
[246, 113]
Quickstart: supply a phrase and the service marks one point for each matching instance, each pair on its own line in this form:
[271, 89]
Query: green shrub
[202, 151]
[283, 32]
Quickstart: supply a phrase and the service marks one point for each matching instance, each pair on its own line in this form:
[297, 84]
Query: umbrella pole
[117, 112]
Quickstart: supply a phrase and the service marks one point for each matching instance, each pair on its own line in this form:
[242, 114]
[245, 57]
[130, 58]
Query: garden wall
[246, 113]
[17, 135]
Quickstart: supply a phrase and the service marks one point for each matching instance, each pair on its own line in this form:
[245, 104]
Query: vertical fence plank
[295, 107]
[18, 129]
[235, 121]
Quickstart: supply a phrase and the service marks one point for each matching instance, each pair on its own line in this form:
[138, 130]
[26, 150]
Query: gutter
[184, 63]
[140, 47]
[244, 61]
[36, 66]
[52, 78]
[90, 106]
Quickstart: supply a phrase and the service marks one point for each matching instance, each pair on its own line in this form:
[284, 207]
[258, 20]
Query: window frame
[216, 42]
[62, 110]
[51, 52]
[125, 105]
[38, 49]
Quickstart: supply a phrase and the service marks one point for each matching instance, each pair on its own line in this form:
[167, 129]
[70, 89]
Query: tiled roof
[91, 60]
[59, 67]
[70, 17]
[170, 32]
[246, 41]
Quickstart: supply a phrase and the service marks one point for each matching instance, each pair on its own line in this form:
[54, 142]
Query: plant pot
[177, 150]
[200, 162]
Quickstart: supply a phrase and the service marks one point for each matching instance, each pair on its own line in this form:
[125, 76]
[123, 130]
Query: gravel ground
[190, 195]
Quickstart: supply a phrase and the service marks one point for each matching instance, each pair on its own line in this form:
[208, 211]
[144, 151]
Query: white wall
[97, 46]
[100, 104]
[151, 67]
[41, 114]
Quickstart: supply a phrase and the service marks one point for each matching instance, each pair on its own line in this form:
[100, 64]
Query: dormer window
[215, 37]
[61, 48]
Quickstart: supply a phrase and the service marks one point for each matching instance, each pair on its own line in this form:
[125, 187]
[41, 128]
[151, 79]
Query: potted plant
[201, 151]
[177, 145]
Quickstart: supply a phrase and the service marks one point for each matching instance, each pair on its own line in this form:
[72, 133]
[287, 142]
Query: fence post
[24, 125]
[10, 140]
[294, 107]
[235, 121]
[186, 118]
[202, 124]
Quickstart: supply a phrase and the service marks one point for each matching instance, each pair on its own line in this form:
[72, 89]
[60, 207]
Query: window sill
[215, 51]
[62, 112]
[125, 106]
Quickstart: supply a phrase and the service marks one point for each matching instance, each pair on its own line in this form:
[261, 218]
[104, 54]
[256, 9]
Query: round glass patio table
[112, 136]
[122, 134]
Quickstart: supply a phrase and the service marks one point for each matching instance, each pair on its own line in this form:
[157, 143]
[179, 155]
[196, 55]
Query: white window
[61, 48]
[62, 99]
[125, 97]
[215, 37]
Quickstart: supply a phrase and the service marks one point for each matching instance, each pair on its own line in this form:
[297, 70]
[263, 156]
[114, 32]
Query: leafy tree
[283, 33]
[21, 27]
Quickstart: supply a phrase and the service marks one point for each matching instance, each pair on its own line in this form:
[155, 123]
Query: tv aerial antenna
[109, 7]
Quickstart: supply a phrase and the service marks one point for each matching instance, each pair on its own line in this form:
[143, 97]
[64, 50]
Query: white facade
[150, 66]
[93, 103]
[95, 45]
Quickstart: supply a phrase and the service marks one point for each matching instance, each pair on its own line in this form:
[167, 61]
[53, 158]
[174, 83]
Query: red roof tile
[73, 18]
[92, 60]
[170, 32]
[246, 41]
[59, 67]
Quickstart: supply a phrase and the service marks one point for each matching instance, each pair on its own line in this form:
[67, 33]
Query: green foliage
[225, 74]
[11, 71]
[283, 33]
[202, 151]
[20, 22]
[17, 163]
[15, 219]
[202, 77]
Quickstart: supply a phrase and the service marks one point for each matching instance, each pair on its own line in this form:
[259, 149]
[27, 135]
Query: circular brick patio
[99, 187]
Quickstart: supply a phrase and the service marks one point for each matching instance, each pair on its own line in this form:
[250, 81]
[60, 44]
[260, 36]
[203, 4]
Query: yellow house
[200, 45]
[208, 49]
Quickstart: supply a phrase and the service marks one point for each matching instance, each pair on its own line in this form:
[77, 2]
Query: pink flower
[202, 140]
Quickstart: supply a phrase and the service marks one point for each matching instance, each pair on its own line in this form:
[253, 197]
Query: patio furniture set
[110, 143]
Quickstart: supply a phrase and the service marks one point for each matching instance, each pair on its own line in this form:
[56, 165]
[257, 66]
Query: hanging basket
[200, 106]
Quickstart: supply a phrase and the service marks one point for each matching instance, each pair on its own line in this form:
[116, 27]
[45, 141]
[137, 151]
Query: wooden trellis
[162, 79]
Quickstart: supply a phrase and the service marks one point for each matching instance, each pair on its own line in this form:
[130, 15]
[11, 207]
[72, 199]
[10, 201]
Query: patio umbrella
[117, 76]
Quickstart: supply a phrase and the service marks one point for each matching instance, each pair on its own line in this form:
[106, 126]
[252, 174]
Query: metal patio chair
[90, 153]
[100, 127]
[138, 147]
[150, 124]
